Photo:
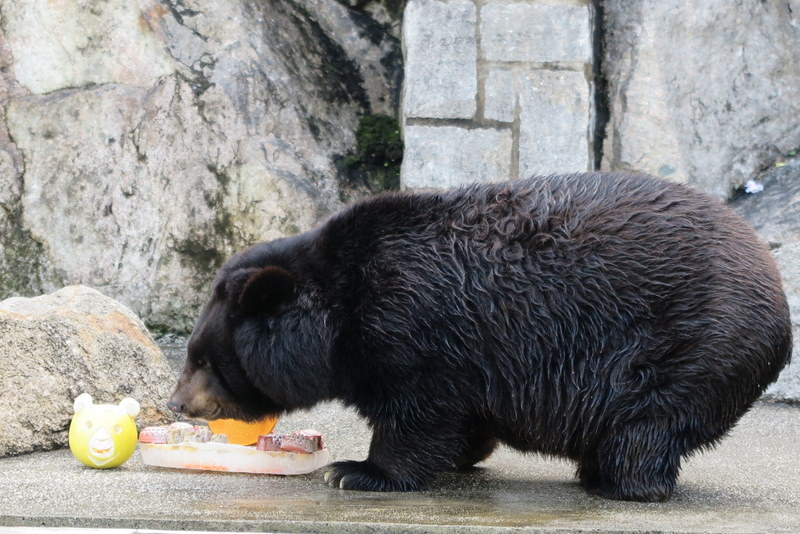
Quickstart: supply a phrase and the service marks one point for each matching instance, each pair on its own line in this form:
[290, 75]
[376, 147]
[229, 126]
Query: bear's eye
[87, 425]
[117, 429]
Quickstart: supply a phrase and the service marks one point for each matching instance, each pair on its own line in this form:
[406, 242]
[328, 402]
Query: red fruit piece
[153, 434]
[270, 442]
[312, 434]
[299, 443]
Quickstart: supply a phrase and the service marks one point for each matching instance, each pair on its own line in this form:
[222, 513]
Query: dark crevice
[337, 67]
[178, 10]
[601, 106]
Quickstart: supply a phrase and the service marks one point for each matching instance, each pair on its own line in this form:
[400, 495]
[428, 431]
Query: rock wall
[706, 93]
[143, 142]
[495, 90]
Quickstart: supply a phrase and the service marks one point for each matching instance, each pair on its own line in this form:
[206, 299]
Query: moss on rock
[375, 166]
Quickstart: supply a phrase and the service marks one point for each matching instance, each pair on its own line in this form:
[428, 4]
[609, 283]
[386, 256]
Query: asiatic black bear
[617, 320]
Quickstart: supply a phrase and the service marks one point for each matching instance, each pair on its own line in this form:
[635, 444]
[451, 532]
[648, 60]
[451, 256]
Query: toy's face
[102, 435]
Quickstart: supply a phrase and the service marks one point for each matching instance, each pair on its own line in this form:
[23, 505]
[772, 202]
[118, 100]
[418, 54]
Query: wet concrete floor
[750, 483]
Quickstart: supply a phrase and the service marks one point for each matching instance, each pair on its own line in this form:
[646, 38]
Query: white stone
[500, 95]
[440, 49]
[519, 31]
[448, 156]
[56, 45]
[367, 43]
[555, 124]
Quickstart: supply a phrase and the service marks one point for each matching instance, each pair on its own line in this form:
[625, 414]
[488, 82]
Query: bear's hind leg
[636, 462]
[478, 448]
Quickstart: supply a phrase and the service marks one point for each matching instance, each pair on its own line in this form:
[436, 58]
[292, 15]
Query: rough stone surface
[440, 55]
[519, 31]
[500, 95]
[526, 87]
[221, 128]
[388, 13]
[66, 44]
[19, 254]
[707, 95]
[74, 341]
[370, 43]
[775, 214]
[554, 123]
[447, 156]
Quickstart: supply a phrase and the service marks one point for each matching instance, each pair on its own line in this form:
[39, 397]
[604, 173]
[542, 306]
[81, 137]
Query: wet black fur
[617, 320]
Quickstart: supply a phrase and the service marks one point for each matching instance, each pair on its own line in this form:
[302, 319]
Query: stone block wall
[495, 90]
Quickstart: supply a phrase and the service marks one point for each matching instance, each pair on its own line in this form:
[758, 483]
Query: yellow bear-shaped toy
[103, 435]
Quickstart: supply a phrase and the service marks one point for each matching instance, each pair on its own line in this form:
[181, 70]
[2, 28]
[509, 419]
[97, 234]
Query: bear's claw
[364, 476]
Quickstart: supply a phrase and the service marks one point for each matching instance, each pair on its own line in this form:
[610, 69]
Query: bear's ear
[266, 290]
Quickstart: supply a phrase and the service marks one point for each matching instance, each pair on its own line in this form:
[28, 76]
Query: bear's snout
[193, 395]
[178, 401]
[176, 407]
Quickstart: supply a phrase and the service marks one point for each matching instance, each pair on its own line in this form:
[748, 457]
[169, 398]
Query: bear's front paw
[365, 476]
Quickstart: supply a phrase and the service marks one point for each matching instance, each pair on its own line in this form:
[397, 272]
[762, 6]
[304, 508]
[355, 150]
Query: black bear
[617, 320]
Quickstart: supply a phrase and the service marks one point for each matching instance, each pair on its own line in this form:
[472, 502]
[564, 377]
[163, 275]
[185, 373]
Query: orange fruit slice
[240, 432]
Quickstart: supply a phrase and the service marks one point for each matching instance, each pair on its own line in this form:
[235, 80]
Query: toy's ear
[83, 401]
[266, 290]
[129, 406]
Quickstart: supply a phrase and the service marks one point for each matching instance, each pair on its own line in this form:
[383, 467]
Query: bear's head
[261, 346]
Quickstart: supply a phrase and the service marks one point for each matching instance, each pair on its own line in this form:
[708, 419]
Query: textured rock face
[775, 214]
[58, 346]
[218, 129]
[707, 95]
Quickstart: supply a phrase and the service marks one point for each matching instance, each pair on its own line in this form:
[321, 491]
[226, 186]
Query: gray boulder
[144, 142]
[74, 341]
[775, 214]
[705, 93]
